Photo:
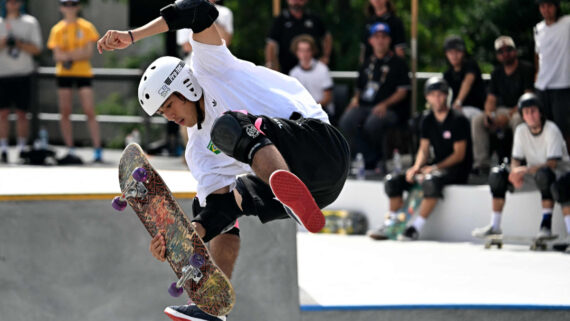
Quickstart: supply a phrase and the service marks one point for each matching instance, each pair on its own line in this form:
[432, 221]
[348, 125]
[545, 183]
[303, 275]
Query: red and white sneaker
[189, 312]
[299, 202]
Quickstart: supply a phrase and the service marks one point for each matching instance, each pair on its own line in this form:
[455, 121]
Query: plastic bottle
[359, 166]
[397, 161]
[43, 137]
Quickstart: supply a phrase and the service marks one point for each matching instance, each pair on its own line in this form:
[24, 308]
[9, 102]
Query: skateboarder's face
[437, 100]
[531, 116]
[179, 110]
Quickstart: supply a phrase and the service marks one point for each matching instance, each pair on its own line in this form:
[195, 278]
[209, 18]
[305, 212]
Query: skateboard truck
[135, 189]
[190, 271]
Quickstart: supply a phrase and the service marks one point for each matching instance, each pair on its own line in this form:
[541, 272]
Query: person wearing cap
[464, 78]
[259, 144]
[510, 80]
[552, 60]
[380, 99]
[446, 131]
[383, 11]
[540, 144]
[20, 41]
[72, 41]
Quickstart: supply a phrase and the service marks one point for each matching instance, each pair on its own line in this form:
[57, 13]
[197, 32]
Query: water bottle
[397, 161]
[359, 166]
[43, 136]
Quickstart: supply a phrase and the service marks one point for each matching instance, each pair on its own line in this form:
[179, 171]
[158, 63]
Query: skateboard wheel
[500, 246]
[175, 291]
[119, 204]
[140, 174]
[487, 246]
[197, 260]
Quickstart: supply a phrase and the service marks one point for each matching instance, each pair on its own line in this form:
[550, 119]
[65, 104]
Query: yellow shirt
[71, 36]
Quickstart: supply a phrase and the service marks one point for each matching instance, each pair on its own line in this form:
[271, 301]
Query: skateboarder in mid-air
[539, 142]
[291, 161]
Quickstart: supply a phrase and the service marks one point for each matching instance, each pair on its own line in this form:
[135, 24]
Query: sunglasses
[505, 50]
[70, 4]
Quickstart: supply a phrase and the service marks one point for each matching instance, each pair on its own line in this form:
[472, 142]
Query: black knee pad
[499, 181]
[235, 134]
[196, 209]
[258, 199]
[560, 190]
[220, 214]
[394, 185]
[432, 186]
[545, 177]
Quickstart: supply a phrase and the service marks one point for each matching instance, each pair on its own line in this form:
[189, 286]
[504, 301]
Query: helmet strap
[199, 113]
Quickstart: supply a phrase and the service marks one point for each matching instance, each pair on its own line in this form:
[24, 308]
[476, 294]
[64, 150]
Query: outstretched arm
[198, 15]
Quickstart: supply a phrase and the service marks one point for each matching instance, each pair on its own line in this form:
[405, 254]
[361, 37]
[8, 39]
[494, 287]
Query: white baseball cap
[503, 41]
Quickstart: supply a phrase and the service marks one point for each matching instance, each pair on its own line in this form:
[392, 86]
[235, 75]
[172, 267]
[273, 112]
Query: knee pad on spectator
[395, 185]
[499, 181]
[560, 190]
[432, 186]
[545, 177]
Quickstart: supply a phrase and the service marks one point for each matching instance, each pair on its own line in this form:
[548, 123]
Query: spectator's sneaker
[189, 312]
[562, 246]
[299, 202]
[70, 159]
[381, 233]
[544, 233]
[4, 158]
[483, 232]
[98, 155]
[410, 234]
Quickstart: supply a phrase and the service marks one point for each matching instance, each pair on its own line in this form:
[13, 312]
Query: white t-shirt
[537, 149]
[26, 28]
[317, 79]
[552, 44]
[230, 83]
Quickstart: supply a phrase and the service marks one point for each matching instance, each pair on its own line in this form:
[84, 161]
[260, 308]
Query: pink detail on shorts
[258, 122]
[243, 111]
[236, 225]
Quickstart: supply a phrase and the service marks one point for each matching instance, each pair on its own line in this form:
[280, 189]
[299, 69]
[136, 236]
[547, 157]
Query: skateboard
[145, 191]
[536, 243]
[411, 205]
[344, 222]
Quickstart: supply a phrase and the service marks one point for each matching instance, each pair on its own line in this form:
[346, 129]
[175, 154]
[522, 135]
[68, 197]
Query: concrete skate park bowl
[66, 255]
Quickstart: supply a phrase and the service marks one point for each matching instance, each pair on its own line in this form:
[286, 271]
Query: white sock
[419, 223]
[3, 144]
[71, 151]
[546, 211]
[22, 142]
[567, 221]
[496, 221]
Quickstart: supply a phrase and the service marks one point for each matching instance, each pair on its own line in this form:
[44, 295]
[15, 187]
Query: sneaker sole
[293, 193]
[177, 316]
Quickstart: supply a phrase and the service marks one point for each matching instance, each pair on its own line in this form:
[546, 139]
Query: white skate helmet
[163, 77]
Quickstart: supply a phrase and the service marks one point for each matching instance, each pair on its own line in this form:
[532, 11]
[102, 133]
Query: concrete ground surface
[79, 259]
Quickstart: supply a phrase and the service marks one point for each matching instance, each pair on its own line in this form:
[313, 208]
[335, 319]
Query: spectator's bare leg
[4, 123]
[548, 204]
[23, 124]
[267, 160]
[65, 108]
[86, 97]
[396, 203]
[427, 206]
[498, 204]
[224, 249]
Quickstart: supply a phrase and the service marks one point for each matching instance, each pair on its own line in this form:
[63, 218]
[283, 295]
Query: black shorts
[16, 92]
[314, 151]
[69, 82]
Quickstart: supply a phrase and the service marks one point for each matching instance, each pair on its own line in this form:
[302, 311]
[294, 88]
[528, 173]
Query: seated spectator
[464, 78]
[20, 41]
[311, 73]
[446, 131]
[509, 81]
[294, 21]
[380, 99]
[539, 142]
[383, 11]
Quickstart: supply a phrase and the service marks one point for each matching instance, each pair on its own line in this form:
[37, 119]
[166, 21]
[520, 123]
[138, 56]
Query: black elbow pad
[194, 14]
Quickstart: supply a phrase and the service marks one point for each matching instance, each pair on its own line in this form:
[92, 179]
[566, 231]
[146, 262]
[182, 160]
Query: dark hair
[370, 12]
[3, 11]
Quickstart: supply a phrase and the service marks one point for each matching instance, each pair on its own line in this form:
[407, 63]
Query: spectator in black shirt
[464, 78]
[447, 132]
[380, 98]
[509, 81]
[292, 22]
[383, 11]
